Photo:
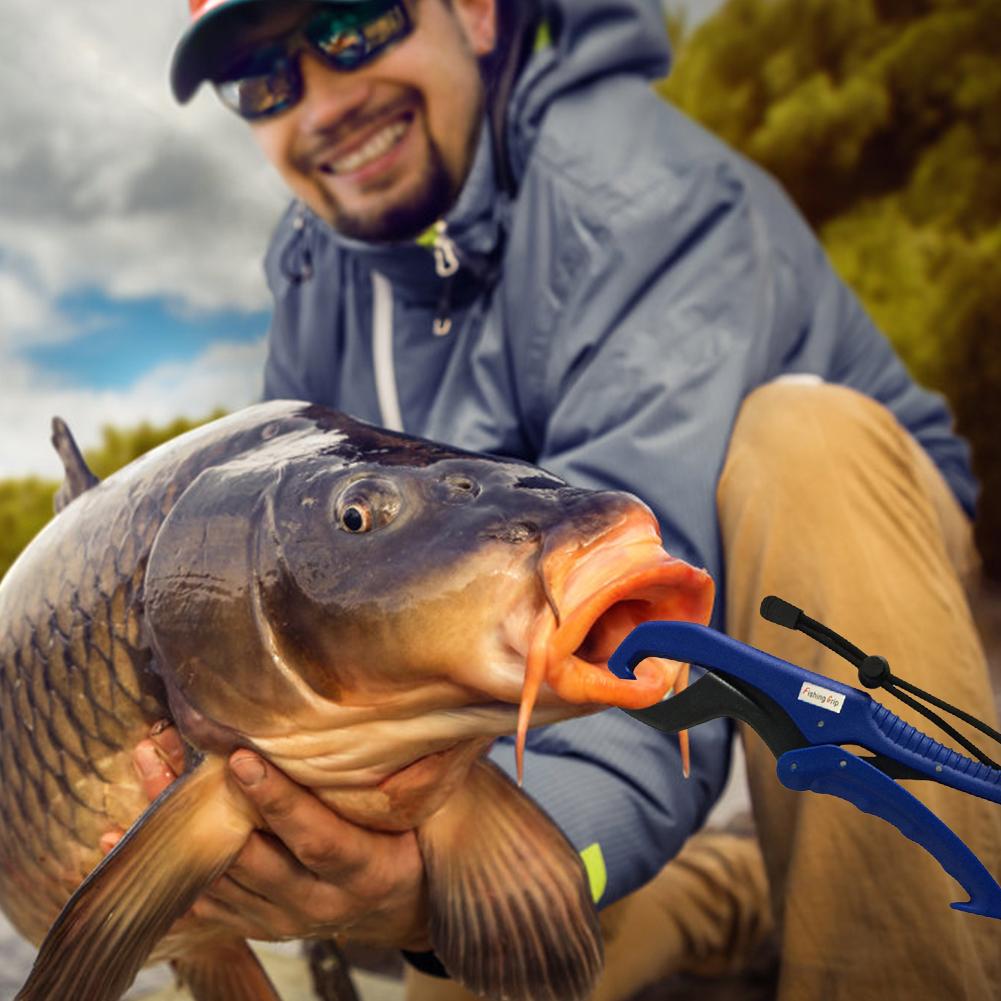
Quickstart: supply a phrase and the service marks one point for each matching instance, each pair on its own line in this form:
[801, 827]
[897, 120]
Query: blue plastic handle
[829, 714]
[824, 710]
[837, 772]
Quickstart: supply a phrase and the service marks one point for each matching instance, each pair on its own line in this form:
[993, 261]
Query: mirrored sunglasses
[268, 80]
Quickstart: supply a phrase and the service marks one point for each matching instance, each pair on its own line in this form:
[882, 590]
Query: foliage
[25, 507]
[121, 446]
[26, 504]
[882, 119]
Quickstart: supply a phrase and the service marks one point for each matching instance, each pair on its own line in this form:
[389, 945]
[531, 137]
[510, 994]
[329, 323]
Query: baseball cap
[195, 57]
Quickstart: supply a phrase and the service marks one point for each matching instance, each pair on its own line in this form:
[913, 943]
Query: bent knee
[810, 432]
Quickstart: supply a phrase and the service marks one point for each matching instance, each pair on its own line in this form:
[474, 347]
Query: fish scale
[76, 695]
[77, 692]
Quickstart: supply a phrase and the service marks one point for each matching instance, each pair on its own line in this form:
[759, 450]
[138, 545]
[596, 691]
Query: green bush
[26, 504]
[882, 119]
[25, 507]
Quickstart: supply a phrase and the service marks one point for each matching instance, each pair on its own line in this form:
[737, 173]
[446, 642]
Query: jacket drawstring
[296, 260]
[446, 266]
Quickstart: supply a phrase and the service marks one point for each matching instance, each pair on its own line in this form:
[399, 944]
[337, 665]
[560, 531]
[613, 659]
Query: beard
[430, 198]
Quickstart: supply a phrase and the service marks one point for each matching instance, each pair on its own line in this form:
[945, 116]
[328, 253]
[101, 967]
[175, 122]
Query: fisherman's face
[380, 153]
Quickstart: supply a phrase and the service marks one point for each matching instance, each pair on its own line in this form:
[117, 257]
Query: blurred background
[132, 301]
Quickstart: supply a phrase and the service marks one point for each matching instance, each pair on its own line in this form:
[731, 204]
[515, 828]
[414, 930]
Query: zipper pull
[296, 261]
[446, 264]
[446, 261]
[443, 314]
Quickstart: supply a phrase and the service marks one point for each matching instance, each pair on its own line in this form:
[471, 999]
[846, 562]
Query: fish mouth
[587, 637]
[597, 593]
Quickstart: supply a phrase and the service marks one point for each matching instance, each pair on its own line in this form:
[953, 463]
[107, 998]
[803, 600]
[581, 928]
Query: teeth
[382, 142]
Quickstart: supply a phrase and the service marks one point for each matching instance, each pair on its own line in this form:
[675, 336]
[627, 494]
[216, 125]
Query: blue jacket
[604, 323]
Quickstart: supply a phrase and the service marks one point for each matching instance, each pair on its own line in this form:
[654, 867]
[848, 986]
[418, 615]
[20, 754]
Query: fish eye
[366, 505]
[356, 519]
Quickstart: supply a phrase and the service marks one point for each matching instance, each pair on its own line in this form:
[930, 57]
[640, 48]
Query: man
[503, 239]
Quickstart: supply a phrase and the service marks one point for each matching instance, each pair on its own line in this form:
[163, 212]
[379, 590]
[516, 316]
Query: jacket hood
[587, 40]
[581, 41]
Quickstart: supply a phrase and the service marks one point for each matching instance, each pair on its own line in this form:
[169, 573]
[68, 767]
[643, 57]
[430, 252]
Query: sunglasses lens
[349, 37]
[346, 37]
[257, 90]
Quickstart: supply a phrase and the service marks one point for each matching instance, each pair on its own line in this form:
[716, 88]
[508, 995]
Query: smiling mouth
[373, 148]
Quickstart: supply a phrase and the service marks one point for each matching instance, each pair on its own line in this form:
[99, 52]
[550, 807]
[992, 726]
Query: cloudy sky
[131, 230]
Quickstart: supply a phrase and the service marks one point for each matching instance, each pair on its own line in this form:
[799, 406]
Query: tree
[882, 119]
[26, 504]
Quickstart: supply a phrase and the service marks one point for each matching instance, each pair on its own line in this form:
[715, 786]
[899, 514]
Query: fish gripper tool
[804, 718]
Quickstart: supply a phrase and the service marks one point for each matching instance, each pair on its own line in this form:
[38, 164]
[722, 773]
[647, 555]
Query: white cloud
[104, 181]
[26, 312]
[107, 185]
[226, 375]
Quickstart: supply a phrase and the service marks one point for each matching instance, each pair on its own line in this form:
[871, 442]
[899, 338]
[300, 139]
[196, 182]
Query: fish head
[391, 577]
[357, 600]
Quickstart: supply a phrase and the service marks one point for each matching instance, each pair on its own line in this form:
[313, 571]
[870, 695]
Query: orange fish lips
[598, 592]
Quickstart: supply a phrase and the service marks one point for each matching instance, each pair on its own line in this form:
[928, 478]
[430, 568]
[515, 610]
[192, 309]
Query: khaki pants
[826, 501]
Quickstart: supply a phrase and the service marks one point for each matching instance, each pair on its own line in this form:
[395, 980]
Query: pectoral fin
[511, 910]
[109, 926]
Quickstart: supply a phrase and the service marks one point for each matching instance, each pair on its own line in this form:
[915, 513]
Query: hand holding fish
[315, 875]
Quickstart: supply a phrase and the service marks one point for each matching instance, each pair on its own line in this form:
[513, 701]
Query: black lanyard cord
[874, 672]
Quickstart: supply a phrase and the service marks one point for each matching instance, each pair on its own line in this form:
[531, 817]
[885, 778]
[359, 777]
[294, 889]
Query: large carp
[365, 609]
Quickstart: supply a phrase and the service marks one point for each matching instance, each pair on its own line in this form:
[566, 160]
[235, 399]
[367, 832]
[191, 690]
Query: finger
[268, 884]
[110, 838]
[169, 744]
[154, 773]
[245, 912]
[266, 867]
[208, 909]
[323, 842]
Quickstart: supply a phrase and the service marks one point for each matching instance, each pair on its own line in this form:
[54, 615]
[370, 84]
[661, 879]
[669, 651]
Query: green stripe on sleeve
[543, 37]
[597, 875]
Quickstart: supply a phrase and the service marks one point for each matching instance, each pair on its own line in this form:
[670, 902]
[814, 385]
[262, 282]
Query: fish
[367, 610]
